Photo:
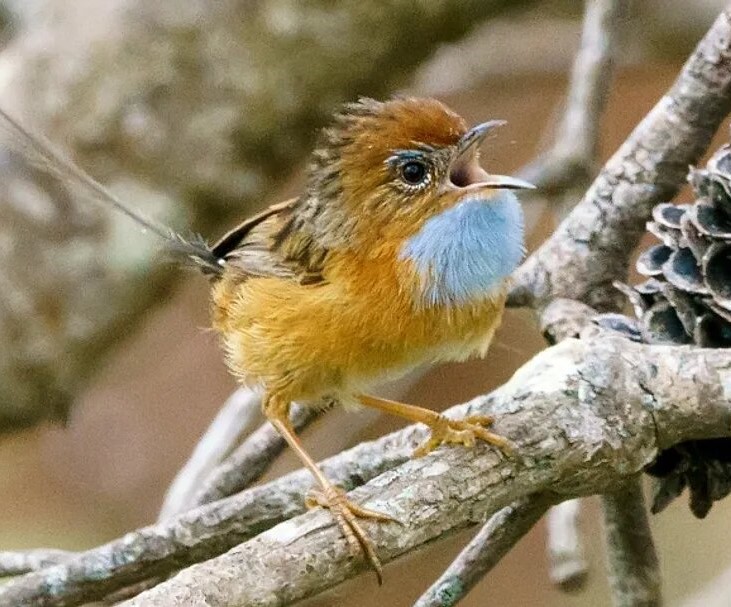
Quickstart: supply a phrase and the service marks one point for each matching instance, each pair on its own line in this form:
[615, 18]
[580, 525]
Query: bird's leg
[443, 430]
[343, 510]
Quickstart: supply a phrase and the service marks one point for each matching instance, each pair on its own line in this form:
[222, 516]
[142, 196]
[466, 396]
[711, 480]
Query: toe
[362, 512]
[496, 440]
[362, 542]
[480, 420]
[315, 499]
[426, 447]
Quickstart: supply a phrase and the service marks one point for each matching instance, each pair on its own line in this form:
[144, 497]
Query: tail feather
[193, 249]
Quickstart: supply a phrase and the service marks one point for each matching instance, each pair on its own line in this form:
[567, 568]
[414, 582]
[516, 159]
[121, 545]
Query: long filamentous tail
[193, 249]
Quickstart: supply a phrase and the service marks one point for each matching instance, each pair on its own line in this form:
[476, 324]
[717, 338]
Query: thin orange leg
[443, 430]
[343, 510]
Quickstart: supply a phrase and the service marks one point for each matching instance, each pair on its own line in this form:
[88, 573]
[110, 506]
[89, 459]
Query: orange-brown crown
[351, 183]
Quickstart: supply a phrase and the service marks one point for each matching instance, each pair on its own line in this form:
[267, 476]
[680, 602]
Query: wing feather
[273, 243]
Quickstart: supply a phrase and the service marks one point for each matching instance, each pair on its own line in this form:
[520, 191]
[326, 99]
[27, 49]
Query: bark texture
[586, 417]
[634, 575]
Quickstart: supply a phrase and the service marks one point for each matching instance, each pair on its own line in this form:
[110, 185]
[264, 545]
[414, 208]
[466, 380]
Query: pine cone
[686, 299]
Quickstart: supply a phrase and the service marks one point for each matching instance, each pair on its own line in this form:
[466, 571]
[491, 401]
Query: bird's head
[383, 169]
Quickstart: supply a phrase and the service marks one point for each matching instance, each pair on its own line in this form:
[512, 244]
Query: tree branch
[605, 408]
[586, 415]
[633, 566]
[18, 563]
[202, 533]
[491, 544]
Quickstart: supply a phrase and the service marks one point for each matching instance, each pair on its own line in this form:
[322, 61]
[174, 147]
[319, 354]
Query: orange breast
[358, 328]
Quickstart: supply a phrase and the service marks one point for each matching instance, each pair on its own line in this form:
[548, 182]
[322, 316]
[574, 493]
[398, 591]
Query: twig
[591, 247]
[633, 566]
[235, 420]
[572, 158]
[491, 543]
[586, 417]
[18, 563]
[566, 561]
[251, 459]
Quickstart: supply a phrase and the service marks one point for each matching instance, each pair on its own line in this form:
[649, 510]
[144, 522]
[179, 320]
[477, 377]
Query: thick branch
[592, 246]
[586, 415]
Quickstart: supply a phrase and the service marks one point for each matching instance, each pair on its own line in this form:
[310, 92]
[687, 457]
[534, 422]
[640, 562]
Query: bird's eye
[413, 172]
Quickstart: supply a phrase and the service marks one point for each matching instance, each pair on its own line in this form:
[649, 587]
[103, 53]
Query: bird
[397, 253]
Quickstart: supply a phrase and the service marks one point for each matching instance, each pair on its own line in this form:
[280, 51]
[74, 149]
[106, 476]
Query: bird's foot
[462, 432]
[347, 513]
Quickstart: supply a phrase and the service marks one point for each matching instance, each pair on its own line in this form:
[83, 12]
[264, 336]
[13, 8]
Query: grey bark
[586, 417]
[492, 542]
[633, 565]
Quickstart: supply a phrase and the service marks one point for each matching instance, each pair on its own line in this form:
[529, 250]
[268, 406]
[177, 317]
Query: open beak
[503, 182]
[465, 175]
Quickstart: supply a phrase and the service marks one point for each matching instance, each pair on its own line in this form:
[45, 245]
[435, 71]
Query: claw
[346, 514]
[463, 432]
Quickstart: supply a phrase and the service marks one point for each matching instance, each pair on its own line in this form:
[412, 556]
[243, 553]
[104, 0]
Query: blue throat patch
[465, 252]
